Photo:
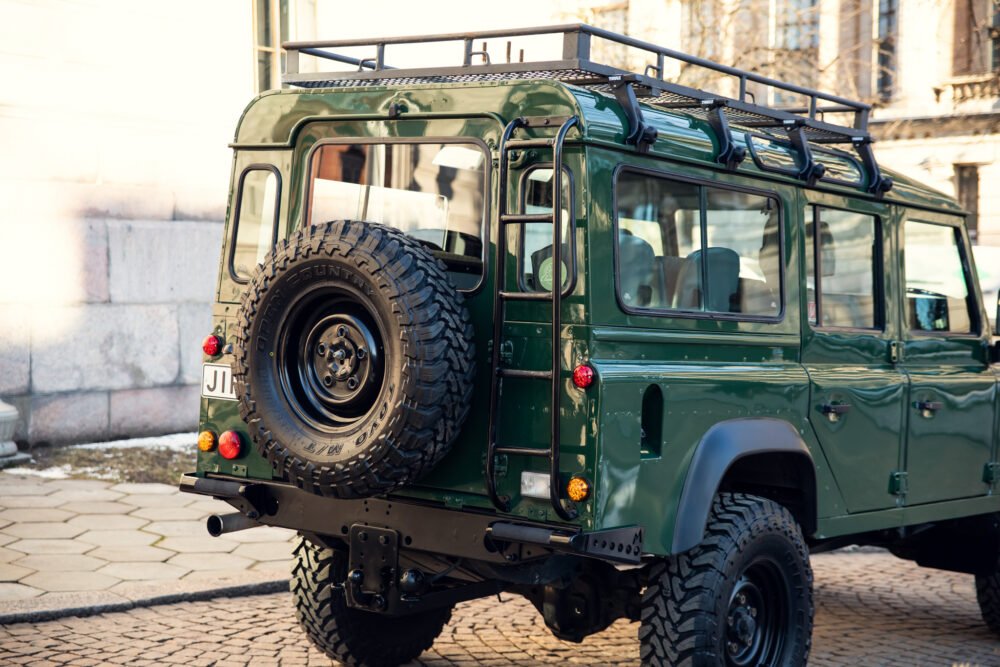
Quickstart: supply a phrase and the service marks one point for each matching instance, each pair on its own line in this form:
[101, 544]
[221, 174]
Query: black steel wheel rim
[331, 358]
[758, 617]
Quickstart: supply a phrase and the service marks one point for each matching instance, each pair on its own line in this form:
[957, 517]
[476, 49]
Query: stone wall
[124, 359]
[114, 122]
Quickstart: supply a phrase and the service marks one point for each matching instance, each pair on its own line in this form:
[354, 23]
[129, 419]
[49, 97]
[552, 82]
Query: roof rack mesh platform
[802, 126]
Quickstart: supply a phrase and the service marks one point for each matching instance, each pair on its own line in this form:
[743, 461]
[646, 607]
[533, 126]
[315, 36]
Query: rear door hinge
[898, 483]
[895, 352]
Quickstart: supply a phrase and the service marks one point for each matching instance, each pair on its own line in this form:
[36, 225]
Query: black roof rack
[803, 126]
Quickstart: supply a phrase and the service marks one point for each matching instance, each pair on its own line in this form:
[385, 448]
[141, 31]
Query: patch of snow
[173, 441]
[58, 472]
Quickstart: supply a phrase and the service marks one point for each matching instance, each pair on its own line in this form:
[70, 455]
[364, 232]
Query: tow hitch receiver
[373, 563]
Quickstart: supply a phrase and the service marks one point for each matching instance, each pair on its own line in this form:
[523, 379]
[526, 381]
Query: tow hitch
[373, 564]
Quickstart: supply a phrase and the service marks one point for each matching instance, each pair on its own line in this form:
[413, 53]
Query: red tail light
[212, 345]
[230, 445]
[583, 376]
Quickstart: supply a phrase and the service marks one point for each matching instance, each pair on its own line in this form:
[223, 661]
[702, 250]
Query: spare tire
[353, 359]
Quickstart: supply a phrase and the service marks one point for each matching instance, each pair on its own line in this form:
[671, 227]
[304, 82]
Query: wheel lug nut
[361, 353]
[328, 380]
[352, 383]
[321, 349]
[341, 331]
[753, 612]
[742, 598]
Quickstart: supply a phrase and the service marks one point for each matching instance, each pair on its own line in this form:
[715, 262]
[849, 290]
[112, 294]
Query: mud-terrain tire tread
[436, 391]
[679, 604]
[988, 596]
[354, 637]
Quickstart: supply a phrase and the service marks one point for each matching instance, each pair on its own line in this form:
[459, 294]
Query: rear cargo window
[432, 192]
[688, 247]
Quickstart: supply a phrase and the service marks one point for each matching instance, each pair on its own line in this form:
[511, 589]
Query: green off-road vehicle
[625, 347]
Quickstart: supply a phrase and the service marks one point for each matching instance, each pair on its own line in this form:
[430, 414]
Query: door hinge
[991, 472]
[898, 483]
[895, 352]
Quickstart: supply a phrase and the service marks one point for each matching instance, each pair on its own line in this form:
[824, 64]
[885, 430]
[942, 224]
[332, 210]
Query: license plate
[217, 382]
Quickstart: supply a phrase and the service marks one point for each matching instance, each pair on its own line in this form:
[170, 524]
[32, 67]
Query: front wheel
[352, 636]
[741, 598]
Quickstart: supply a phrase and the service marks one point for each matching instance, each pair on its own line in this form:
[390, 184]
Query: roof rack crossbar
[803, 123]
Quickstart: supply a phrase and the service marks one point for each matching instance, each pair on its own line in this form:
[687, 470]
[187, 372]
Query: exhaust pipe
[219, 524]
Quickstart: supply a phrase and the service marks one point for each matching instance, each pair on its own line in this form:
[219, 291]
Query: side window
[688, 247]
[535, 258]
[937, 287]
[843, 277]
[256, 219]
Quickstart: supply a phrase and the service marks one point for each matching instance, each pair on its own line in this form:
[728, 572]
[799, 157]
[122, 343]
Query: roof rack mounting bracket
[730, 154]
[878, 184]
[637, 133]
[810, 171]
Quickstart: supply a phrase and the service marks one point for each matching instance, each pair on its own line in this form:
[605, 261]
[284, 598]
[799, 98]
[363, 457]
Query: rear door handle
[833, 411]
[928, 408]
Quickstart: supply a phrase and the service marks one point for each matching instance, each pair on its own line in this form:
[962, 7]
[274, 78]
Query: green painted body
[708, 370]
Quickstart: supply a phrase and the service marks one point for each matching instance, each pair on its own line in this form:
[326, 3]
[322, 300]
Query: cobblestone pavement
[872, 609]
[79, 542]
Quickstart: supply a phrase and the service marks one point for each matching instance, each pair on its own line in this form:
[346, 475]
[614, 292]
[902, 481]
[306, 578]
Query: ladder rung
[521, 373]
[529, 143]
[515, 218]
[522, 451]
[526, 296]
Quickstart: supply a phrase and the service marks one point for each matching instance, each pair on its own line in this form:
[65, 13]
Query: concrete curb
[34, 611]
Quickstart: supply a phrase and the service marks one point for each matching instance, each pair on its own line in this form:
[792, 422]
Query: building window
[796, 46]
[271, 26]
[888, 27]
[976, 40]
[967, 193]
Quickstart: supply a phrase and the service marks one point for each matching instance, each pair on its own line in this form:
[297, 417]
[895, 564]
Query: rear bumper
[422, 527]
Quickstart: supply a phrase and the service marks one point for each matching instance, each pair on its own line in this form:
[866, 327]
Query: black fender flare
[721, 446]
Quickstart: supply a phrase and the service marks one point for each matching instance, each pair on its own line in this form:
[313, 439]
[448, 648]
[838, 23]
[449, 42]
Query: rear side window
[843, 269]
[537, 271]
[937, 285]
[256, 216]
[693, 248]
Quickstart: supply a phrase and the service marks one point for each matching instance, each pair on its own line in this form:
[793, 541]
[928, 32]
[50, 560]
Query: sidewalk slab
[72, 547]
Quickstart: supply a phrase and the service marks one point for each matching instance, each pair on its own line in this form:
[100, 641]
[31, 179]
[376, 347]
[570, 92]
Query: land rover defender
[557, 328]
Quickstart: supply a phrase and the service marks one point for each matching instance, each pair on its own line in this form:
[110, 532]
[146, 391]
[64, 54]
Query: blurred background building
[114, 168]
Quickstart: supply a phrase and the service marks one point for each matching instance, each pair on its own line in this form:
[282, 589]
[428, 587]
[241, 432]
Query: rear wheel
[741, 598]
[988, 595]
[352, 636]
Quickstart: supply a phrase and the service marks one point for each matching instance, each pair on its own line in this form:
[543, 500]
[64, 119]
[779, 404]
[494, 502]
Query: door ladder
[508, 143]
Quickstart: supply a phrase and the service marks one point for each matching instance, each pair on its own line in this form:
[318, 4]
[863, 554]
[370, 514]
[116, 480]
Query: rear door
[857, 392]
[952, 388]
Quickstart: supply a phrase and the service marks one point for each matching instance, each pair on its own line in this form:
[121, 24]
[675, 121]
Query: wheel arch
[761, 456]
